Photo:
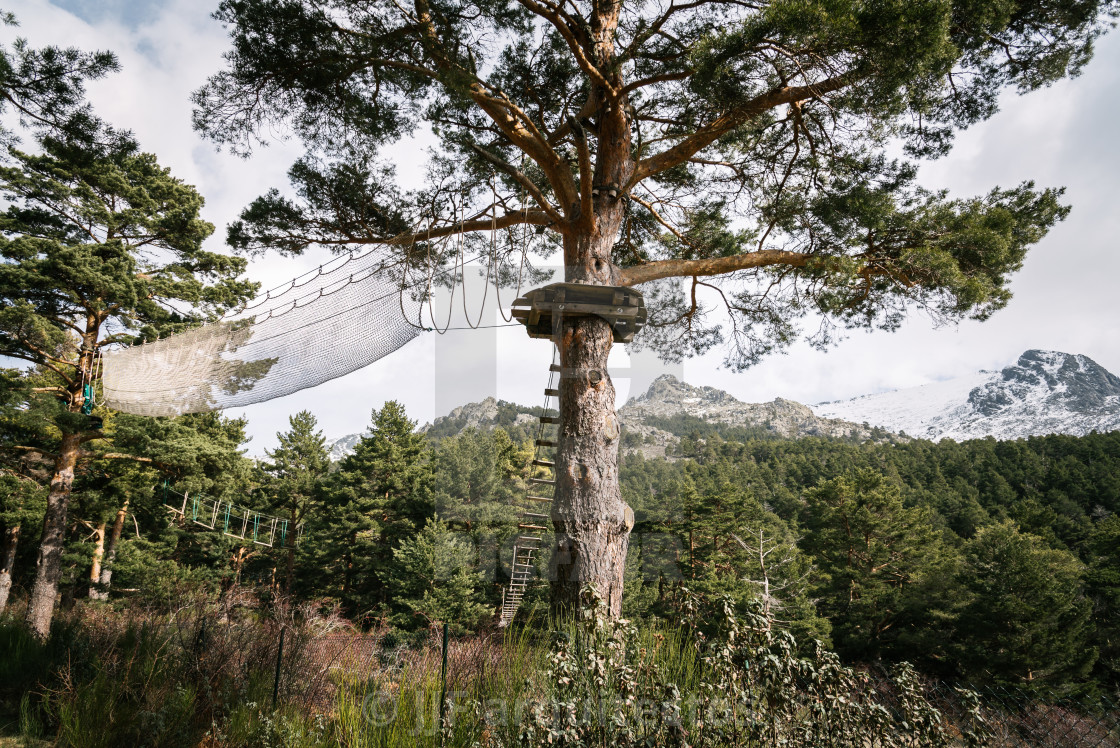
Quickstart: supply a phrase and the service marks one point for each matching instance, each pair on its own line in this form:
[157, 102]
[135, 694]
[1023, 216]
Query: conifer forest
[163, 583]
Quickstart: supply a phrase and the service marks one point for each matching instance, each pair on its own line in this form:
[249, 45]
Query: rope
[521, 267]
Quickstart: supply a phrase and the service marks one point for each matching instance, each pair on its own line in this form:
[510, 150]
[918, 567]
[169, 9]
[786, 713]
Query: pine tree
[433, 578]
[22, 494]
[100, 245]
[45, 87]
[379, 497]
[872, 550]
[744, 149]
[1103, 585]
[1025, 619]
[296, 471]
[478, 481]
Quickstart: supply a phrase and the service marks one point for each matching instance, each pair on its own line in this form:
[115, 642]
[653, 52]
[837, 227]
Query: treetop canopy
[661, 140]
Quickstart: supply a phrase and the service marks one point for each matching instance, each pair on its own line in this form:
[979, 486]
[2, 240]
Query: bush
[741, 684]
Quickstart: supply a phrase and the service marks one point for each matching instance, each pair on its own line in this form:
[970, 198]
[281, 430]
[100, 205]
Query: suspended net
[331, 321]
[327, 323]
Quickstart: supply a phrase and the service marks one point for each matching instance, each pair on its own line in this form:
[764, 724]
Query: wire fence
[1015, 717]
[1023, 718]
[312, 667]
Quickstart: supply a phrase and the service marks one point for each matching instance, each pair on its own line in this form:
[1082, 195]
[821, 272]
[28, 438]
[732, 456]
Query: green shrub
[742, 684]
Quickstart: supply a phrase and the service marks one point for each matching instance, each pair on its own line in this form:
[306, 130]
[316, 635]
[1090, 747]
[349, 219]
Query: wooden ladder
[533, 523]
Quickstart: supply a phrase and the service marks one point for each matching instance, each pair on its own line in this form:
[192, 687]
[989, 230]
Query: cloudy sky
[1066, 297]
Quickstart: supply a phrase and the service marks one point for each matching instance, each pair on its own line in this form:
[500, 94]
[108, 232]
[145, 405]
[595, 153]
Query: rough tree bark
[105, 577]
[40, 609]
[7, 562]
[591, 520]
[48, 568]
[95, 561]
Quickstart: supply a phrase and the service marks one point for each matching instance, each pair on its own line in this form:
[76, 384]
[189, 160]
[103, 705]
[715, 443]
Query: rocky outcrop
[1044, 392]
[643, 418]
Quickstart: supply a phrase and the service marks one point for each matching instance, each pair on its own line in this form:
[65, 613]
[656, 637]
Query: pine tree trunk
[105, 580]
[95, 562]
[290, 570]
[49, 567]
[7, 562]
[591, 520]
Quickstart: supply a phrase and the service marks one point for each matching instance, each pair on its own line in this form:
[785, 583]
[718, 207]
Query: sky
[1066, 297]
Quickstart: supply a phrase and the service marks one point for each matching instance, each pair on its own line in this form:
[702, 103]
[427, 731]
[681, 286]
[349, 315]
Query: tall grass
[142, 677]
[401, 707]
[203, 675]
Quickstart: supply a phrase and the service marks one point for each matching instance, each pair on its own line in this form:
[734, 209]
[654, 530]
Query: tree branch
[514, 123]
[531, 217]
[654, 79]
[660, 219]
[728, 121]
[586, 177]
[122, 456]
[40, 450]
[555, 16]
[31, 359]
[712, 266]
[522, 180]
[525, 135]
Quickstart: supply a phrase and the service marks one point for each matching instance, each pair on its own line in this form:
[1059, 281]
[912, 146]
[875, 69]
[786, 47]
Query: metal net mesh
[327, 323]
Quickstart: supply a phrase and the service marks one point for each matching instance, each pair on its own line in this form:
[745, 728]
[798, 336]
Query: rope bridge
[235, 521]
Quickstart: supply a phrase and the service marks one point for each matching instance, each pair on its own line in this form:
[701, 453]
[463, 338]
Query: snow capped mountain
[343, 446]
[1044, 392]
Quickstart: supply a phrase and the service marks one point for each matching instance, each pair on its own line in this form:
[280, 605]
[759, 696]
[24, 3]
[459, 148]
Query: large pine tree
[296, 469]
[738, 146]
[100, 246]
[380, 496]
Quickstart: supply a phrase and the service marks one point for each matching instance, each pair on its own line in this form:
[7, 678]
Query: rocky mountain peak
[669, 398]
[669, 391]
[1043, 392]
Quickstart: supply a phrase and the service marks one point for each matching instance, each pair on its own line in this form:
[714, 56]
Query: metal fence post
[279, 659]
[443, 685]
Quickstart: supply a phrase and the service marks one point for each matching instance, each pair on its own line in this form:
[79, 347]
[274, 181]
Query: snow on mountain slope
[1044, 392]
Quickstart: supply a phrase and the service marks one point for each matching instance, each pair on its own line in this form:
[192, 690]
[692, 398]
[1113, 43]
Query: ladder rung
[523, 571]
